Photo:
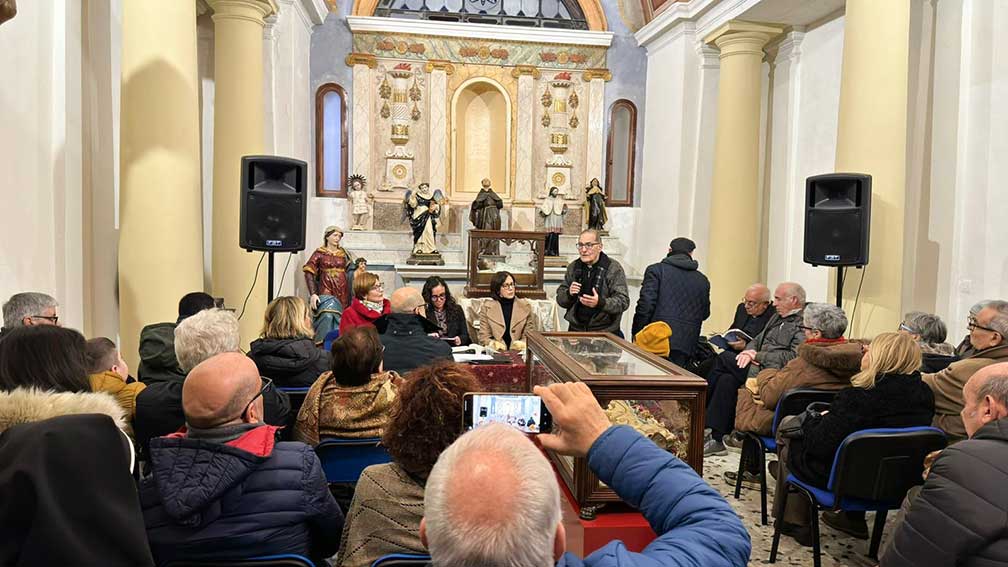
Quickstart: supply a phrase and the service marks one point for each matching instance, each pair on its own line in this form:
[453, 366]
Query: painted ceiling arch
[592, 11]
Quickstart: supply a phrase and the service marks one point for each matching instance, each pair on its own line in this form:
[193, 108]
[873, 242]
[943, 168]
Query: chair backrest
[882, 464]
[297, 397]
[794, 402]
[284, 560]
[402, 560]
[343, 460]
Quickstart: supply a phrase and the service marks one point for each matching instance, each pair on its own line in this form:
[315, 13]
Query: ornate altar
[657, 398]
[516, 251]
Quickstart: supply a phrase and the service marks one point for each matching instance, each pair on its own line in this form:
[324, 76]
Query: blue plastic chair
[872, 471]
[402, 560]
[756, 446]
[343, 460]
[282, 560]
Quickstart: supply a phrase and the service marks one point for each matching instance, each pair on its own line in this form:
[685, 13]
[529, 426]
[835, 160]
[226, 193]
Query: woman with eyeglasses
[368, 304]
[929, 331]
[441, 309]
[506, 319]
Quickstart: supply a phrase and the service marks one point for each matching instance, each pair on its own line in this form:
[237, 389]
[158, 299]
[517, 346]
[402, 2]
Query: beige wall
[481, 134]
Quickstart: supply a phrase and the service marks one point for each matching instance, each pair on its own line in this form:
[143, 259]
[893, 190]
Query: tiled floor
[837, 548]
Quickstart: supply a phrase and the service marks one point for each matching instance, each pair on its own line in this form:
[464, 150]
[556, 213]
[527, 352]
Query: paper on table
[471, 357]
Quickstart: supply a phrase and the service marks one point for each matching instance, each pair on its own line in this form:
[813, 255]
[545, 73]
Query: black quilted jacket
[676, 292]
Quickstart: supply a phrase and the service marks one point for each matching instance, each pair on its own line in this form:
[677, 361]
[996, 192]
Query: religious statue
[326, 271]
[594, 208]
[553, 208]
[360, 201]
[484, 213]
[423, 210]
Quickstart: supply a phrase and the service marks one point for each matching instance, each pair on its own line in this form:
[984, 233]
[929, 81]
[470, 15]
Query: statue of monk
[484, 213]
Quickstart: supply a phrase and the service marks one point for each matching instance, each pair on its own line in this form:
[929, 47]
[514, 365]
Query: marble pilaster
[360, 155]
[595, 155]
[438, 124]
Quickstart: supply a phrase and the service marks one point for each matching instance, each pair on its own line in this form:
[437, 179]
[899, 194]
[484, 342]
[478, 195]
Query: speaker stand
[269, 276]
[839, 282]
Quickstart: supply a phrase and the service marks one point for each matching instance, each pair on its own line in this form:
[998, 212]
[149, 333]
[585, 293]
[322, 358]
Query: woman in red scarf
[368, 304]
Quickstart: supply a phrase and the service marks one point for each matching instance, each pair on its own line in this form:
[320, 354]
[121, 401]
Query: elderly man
[407, 336]
[594, 290]
[958, 517]
[965, 348]
[492, 497]
[751, 317]
[27, 309]
[197, 338]
[676, 292]
[774, 347]
[929, 331]
[988, 331]
[223, 488]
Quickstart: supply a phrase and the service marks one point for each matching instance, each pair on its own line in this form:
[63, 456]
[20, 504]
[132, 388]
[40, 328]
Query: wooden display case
[657, 398]
[516, 251]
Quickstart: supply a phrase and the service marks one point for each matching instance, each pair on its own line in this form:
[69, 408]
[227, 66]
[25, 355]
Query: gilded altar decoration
[420, 49]
[384, 89]
[573, 101]
[547, 98]
[545, 120]
[415, 113]
[385, 111]
[414, 92]
[574, 121]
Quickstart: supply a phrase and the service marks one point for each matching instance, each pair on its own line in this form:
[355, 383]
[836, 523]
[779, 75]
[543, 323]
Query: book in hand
[731, 335]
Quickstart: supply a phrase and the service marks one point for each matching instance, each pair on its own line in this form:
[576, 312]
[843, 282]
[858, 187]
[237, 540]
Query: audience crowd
[212, 450]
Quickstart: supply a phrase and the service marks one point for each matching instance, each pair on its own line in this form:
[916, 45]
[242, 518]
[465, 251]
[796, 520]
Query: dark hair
[44, 357]
[428, 288]
[193, 303]
[356, 356]
[682, 245]
[427, 415]
[101, 354]
[498, 280]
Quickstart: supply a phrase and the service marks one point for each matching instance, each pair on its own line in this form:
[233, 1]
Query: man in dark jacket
[594, 291]
[676, 292]
[157, 341]
[958, 517]
[407, 336]
[223, 488]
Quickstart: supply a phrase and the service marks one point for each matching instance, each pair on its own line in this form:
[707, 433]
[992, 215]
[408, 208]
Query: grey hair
[978, 306]
[995, 386]
[203, 335]
[999, 322]
[795, 290]
[930, 328]
[524, 536]
[27, 304]
[598, 236]
[829, 319]
[764, 291]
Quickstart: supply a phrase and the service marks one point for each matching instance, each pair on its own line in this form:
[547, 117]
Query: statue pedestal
[555, 261]
[434, 259]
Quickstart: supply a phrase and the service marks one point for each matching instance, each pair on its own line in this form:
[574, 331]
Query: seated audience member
[654, 338]
[157, 342]
[929, 331]
[109, 373]
[285, 352]
[888, 392]
[773, 347]
[196, 338]
[504, 321]
[958, 516]
[28, 309]
[493, 498]
[368, 303]
[44, 374]
[965, 347]
[223, 488]
[441, 309]
[751, 316]
[988, 331]
[389, 501]
[353, 399]
[68, 495]
[407, 335]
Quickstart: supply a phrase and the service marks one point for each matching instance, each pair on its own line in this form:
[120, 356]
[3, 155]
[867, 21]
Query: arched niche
[480, 137]
[592, 10]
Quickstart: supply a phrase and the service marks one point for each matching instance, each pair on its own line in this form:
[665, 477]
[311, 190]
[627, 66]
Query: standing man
[594, 290]
[676, 292]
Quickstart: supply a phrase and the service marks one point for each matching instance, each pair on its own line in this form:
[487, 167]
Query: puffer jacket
[778, 343]
[157, 354]
[676, 292]
[249, 497]
[289, 362]
[947, 386]
[960, 517]
[30, 405]
[609, 281]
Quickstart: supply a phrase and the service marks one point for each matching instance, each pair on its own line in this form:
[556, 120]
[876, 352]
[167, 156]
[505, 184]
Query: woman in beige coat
[505, 320]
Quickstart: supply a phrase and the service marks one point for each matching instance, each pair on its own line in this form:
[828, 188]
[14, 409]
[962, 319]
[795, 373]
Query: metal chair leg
[876, 534]
[814, 519]
[741, 467]
[778, 522]
[762, 478]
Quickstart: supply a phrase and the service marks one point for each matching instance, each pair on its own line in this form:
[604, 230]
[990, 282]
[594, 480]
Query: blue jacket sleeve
[325, 519]
[695, 525]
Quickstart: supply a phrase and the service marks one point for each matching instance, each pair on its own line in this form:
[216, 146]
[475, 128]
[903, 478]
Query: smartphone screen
[524, 412]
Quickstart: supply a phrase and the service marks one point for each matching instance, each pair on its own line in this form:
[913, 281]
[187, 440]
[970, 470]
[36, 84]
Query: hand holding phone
[578, 418]
[524, 412]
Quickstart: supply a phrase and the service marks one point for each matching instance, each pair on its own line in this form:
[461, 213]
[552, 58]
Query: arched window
[621, 154]
[566, 14]
[330, 141]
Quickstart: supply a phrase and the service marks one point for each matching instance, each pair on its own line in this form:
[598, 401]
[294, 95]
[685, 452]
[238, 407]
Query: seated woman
[930, 332]
[441, 309]
[888, 392]
[505, 320]
[368, 303]
[285, 351]
[384, 516]
[354, 398]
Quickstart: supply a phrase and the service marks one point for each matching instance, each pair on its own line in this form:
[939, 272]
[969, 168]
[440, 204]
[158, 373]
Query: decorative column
[239, 108]
[872, 138]
[523, 210]
[160, 230]
[735, 217]
[437, 73]
[360, 156]
[596, 79]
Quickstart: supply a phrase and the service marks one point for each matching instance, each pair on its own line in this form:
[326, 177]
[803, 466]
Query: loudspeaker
[837, 219]
[273, 204]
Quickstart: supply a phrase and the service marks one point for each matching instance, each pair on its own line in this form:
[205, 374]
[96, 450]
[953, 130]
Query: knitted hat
[654, 338]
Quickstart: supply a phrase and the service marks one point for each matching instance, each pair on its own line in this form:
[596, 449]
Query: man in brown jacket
[988, 333]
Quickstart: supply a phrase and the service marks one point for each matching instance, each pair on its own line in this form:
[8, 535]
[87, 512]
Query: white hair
[203, 335]
[27, 304]
[795, 290]
[524, 531]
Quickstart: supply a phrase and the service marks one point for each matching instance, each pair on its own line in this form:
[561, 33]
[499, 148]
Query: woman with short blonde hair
[889, 353]
[285, 351]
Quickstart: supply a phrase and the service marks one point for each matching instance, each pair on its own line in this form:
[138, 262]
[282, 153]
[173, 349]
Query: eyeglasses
[972, 325]
[809, 329]
[904, 327]
[378, 285]
[267, 384]
[438, 297]
[52, 319]
[748, 303]
[509, 285]
[586, 245]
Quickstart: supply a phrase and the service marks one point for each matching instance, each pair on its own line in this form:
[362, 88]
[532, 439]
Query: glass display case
[657, 398]
[515, 251]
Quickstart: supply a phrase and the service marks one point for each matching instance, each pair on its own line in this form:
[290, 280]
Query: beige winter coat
[24, 405]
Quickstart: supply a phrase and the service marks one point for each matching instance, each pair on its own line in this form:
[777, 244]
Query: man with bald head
[410, 340]
[212, 484]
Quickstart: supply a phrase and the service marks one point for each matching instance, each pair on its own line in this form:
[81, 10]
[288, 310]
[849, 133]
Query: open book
[731, 335]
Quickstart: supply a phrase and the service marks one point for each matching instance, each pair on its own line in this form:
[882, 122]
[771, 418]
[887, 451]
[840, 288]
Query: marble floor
[838, 549]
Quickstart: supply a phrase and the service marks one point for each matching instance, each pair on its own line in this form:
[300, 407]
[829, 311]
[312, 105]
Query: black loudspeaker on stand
[837, 222]
[273, 207]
